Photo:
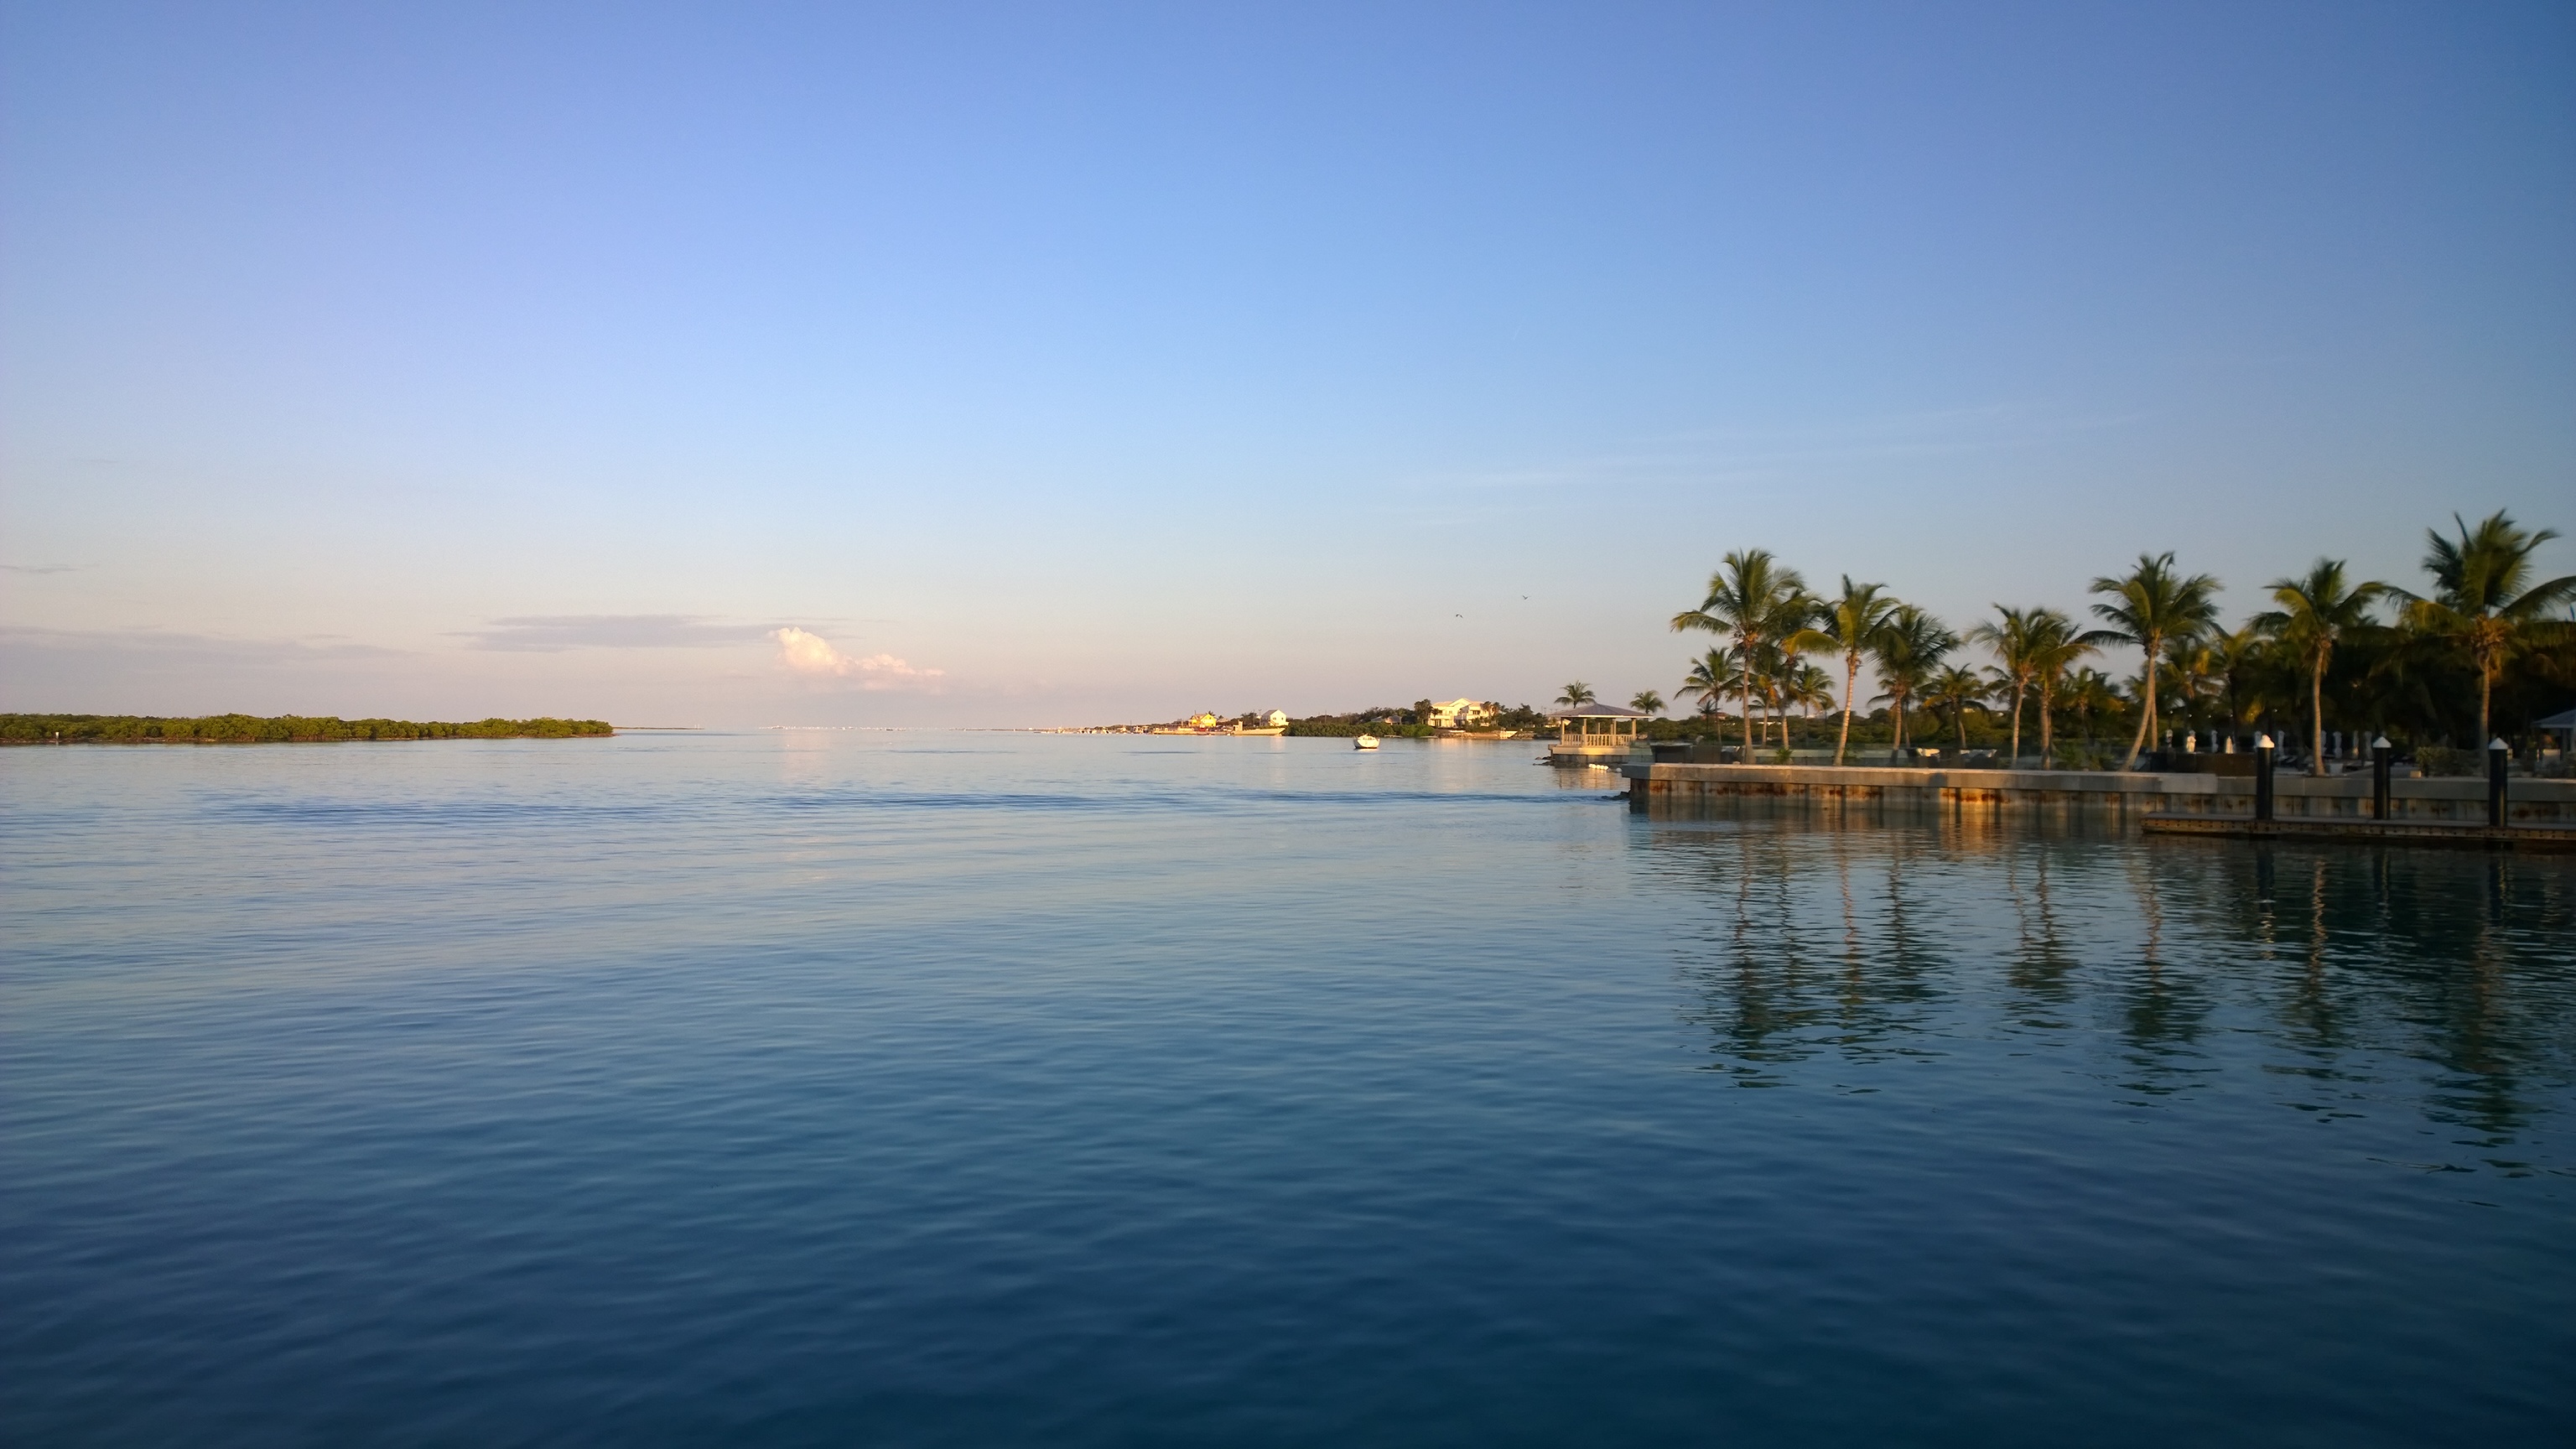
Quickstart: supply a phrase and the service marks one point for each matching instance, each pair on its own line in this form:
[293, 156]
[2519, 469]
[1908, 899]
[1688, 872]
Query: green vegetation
[243, 729]
[1390, 722]
[1849, 622]
[2149, 606]
[2315, 612]
[1760, 606]
[2487, 647]
[2484, 603]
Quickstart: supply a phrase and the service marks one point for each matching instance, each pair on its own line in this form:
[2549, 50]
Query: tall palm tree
[2148, 606]
[2483, 597]
[1753, 600]
[1907, 651]
[2052, 649]
[1849, 621]
[2316, 610]
[2008, 634]
[1955, 689]
[1647, 701]
[1577, 695]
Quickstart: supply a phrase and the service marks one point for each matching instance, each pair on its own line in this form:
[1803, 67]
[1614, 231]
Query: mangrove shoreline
[243, 729]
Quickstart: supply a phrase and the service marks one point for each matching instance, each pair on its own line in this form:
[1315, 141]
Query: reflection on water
[1862, 944]
[1090, 1091]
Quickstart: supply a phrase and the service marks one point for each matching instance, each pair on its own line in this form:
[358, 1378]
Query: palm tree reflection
[2342, 978]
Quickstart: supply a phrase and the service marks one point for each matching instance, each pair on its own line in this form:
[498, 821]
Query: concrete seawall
[2094, 794]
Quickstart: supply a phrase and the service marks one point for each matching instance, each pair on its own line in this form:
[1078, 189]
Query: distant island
[1426, 719]
[243, 729]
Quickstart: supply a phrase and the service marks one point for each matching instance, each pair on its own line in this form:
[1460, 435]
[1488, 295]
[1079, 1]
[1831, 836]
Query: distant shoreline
[290, 729]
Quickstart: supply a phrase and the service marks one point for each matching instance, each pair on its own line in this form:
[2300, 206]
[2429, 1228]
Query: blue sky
[1056, 363]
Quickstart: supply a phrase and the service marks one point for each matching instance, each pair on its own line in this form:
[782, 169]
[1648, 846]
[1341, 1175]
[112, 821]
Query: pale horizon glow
[1040, 365]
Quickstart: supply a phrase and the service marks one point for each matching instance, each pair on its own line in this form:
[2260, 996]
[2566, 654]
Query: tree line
[234, 729]
[1414, 721]
[2333, 652]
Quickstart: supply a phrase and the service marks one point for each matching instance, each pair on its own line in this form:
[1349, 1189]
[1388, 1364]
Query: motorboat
[1365, 742]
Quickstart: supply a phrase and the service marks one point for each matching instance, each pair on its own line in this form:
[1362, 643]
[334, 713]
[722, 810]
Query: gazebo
[2563, 725]
[1594, 731]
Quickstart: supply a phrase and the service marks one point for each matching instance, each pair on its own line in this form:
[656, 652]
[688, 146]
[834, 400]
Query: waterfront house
[1461, 714]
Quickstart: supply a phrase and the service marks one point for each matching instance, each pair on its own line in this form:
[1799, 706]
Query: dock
[2122, 799]
[2378, 832]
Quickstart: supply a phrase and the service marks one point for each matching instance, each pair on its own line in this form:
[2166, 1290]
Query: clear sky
[1073, 363]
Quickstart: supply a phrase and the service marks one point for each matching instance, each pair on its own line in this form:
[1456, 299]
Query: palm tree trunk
[1748, 701]
[2047, 735]
[2317, 716]
[2146, 716]
[2486, 682]
[1851, 680]
[2016, 730]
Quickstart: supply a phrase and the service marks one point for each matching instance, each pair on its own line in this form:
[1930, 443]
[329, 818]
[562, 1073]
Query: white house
[1461, 714]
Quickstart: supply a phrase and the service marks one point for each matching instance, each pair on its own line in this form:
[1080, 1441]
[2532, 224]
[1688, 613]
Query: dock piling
[2497, 756]
[2382, 756]
[2263, 777]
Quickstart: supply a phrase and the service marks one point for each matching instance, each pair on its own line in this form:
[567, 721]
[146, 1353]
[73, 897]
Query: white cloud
[813, 656]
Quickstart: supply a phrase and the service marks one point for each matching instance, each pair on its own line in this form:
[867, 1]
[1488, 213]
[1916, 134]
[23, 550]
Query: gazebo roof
[1598, 711]
[2563, 720]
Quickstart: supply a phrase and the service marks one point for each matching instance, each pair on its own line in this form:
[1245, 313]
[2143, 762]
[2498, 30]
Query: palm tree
[1810, 689]
[2483, 597]
[1775, 674]
[2190, 672]
[2316, 610]
[1955, 689]
[2009, 636]
[1709, 680]
[1577, 695]
[1907, 651]
[2237, 663]
[1753, 600]
[2052, 650]
[2089, 692]
[1647, 701]
[2147, 607]
[1850, 621]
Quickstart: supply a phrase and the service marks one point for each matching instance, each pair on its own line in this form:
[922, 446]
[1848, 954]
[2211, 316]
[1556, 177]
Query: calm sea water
[991, 1089]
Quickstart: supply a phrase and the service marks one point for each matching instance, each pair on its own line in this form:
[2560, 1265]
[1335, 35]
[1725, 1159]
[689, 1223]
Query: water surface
[995, 1089]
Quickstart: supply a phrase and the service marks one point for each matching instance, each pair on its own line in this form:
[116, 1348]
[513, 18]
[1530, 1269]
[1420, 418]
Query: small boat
[1365, 742]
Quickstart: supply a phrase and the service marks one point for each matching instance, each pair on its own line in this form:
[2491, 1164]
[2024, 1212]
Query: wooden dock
[2453, 834]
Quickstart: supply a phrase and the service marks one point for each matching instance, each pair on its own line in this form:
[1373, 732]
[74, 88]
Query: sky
[1059, 363]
